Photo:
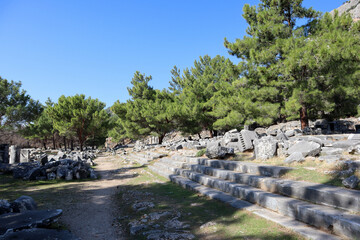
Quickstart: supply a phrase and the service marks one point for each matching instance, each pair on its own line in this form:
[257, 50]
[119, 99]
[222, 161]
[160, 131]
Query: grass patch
[194, 210]
[47, 194]
[201, 153]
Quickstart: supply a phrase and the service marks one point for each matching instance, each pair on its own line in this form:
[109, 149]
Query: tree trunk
[53, 139]
[44, 143]
[72, 144]
[65, 143]
[304, 120]
[211, 134]
[199, 135]
[81, 145]
[161, 138]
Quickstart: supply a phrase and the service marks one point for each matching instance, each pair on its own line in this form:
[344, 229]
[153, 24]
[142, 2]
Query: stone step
[326, 218]
[311, 192]
[244, 167]
[138, 159]
[288, 222]
[162, 169]
[172, 162]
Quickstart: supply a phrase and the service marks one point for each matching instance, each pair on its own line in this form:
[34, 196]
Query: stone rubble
[68, 166]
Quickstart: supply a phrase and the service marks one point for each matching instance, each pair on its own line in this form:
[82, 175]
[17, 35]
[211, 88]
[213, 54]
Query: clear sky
[94, 47]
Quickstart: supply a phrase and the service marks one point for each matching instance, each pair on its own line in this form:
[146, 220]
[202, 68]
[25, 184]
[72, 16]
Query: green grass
[196, 210]
[200, 153]
[47, 194]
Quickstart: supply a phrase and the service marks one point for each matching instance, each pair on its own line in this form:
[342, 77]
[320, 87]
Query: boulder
[290, 133]
[214, 151]
[10, 222]
[351, 182]
[295, 157]
[44, 159]
[4, 206]
[69, 175]
[265, 148]
[23, 203]
[306, 148]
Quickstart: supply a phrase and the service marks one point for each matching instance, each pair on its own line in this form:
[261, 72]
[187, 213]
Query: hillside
[352, 7]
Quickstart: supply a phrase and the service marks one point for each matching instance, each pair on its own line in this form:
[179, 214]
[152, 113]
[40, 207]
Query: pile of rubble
[68, 166]
[154, 225]
[20, 219]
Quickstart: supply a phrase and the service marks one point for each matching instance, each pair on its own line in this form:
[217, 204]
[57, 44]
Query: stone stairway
[332, 212]
[145, 158]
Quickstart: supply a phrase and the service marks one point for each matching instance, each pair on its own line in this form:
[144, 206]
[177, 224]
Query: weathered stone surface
[23, 203]
[24, 155]
[22, 170]
[214, 151]
[29, 219]
[331, 151]
[4, 206]
[295, 157]
[140, 206]
[44, 159]
[351, 182]
[345, 144]
[265, 147]
[306, 148]
[290, 133]
[281, 136]
[69, 175]
[330, 158]
[39, 234]
[13, 154]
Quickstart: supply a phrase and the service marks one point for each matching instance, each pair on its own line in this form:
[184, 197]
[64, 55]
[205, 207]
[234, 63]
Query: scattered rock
[23, 203]
[214, 151]
[208, 224]
[4, 206]
[265, 148]
[29, 219]
[306, 148]
[295, 157]
[140, 206]
[175, 224]
[351, 182]
[158, 215]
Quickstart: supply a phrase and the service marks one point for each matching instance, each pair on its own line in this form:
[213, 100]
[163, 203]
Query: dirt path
[93, 215]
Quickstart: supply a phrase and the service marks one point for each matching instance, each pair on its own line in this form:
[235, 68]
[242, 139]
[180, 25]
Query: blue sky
[95, 46]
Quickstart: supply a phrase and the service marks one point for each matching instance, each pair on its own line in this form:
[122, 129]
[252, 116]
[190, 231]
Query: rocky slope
[352, 7]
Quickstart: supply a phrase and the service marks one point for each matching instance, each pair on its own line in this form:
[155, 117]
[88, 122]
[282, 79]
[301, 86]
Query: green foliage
[148, 112]
[311, 69]
[82, 117]
[198, 91]
[16, 106]
[200, 153]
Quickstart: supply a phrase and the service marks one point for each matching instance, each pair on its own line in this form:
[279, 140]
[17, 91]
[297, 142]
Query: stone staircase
[144, 158]
[316, 211]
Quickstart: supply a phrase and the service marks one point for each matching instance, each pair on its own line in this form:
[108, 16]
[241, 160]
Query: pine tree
[262, 90]
[148, 112]
[79, 116]
[197, 91]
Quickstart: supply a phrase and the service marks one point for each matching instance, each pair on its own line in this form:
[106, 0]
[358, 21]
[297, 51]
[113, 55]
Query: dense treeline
[287, 71]
[295, 63]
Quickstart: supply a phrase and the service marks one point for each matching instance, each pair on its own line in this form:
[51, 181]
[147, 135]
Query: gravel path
[93, 215]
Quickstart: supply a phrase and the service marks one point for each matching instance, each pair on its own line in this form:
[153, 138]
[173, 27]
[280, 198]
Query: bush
[201, 152]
